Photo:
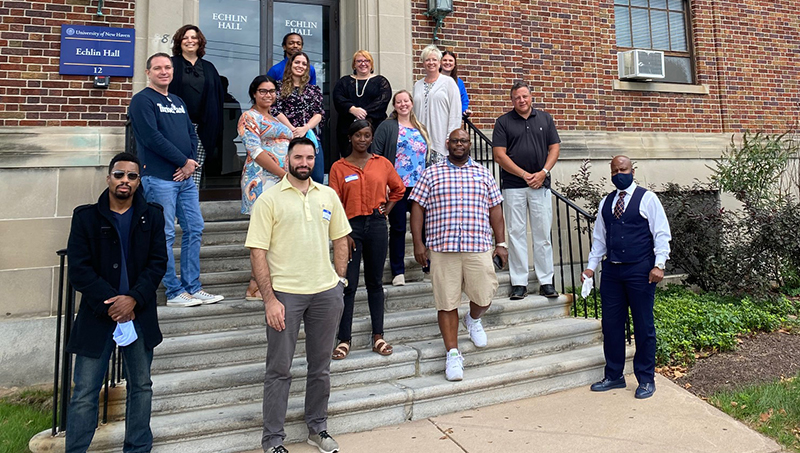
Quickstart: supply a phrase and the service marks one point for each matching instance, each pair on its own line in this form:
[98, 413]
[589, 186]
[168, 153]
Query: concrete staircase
[208, 373]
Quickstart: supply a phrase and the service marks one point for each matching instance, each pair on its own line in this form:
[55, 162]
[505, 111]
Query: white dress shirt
[650, 208]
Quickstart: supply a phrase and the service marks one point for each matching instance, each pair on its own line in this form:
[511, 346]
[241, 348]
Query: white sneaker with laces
[454, 369]
[324, 442]
[399, 280]
[184, 300]
[476, 332]
[207, 298]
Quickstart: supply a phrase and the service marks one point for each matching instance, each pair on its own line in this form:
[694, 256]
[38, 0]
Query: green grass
[21, 416]
[772, 409]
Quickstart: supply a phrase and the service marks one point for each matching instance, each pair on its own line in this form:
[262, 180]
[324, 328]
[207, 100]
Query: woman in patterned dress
[266, 140]
[404, 141]
[299, 106]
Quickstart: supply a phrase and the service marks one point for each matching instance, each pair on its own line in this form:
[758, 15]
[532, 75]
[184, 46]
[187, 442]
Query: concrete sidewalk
[577, 420]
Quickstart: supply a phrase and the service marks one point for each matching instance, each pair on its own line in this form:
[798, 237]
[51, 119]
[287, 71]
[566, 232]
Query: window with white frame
[657, 25]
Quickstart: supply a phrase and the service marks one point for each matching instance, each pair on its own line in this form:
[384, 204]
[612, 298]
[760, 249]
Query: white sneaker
[206, 298]
[184, 300]
[454, 370]
[475, 329]
[399, 280]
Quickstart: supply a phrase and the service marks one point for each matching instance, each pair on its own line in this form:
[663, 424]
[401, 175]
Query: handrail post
[66, 364]
[62, 254]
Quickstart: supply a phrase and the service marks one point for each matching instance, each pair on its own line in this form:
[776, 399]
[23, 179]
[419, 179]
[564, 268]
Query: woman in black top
[197, 82]
[362, 95]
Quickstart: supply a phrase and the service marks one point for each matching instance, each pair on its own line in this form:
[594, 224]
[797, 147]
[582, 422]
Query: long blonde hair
[287, 84]
[413, 118]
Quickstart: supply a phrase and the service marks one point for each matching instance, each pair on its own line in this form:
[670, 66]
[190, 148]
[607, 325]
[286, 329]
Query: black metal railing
[573, 225]
[62, 371]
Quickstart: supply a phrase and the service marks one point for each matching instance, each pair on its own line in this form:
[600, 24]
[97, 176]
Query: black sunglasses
[119, 174]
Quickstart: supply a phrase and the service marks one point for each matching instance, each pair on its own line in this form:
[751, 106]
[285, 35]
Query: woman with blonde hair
[404, 141]
[358, 96]
[299, 106]
[437, 103]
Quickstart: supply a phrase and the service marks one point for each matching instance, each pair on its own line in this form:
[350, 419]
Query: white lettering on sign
[229, 21]
[301, 27]
[88, 52]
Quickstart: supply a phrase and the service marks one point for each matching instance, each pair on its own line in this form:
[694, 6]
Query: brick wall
[32, 92]
[746, 51]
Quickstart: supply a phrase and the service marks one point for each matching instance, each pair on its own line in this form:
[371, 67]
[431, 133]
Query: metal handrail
[482, 152]
[62, 370]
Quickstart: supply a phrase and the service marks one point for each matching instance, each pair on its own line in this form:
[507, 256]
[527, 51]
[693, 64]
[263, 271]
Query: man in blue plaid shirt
[459, 202]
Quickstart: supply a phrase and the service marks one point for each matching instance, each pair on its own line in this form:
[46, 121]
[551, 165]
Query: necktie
[620, 206]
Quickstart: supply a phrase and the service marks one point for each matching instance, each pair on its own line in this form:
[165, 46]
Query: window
[657, 25]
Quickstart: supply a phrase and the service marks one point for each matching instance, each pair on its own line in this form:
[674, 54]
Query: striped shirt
[457, 201]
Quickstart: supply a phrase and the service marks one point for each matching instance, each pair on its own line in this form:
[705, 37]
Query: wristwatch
[546, 172]
[501, 244]
[661, 266]
[343, 281]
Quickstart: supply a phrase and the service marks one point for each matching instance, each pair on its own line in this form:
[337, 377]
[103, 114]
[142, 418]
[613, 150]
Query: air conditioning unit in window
[640, 64]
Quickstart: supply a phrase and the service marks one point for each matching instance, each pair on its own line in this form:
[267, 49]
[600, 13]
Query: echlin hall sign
[99, 51]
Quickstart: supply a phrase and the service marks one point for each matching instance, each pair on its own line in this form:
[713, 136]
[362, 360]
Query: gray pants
[320, 314]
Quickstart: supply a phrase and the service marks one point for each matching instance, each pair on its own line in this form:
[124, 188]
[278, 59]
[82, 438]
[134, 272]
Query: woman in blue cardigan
[450, 67]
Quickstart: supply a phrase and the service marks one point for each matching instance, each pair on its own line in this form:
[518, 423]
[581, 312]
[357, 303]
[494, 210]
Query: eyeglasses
[119, 174]
[462, 141]
[264, 92]
[362, 61]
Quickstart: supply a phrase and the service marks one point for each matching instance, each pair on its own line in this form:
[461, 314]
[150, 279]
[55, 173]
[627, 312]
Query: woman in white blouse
[437, 103]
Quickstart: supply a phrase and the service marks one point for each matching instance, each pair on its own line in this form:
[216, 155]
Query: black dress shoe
[608, 384]
[548, 290]
[518, 292]
[645, 390]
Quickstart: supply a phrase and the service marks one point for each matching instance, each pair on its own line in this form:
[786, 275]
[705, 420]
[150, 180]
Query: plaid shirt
[457, 201]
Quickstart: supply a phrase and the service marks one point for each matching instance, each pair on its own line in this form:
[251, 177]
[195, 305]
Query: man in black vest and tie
[633, 234]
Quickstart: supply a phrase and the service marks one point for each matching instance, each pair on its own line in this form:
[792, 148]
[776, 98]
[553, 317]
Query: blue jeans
[84, 405]
[179, 199]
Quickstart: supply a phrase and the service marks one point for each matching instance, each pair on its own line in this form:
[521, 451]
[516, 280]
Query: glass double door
[244, 40]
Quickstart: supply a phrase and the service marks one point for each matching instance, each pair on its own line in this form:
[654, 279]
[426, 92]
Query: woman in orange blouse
[361, 180]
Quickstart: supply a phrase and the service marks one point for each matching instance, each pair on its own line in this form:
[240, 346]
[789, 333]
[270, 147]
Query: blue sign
[87, 50]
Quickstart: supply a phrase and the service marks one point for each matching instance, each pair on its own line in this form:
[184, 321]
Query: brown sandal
[341, 351]
[381, 346]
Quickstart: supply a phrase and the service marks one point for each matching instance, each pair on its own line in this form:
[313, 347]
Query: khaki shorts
[454, 272]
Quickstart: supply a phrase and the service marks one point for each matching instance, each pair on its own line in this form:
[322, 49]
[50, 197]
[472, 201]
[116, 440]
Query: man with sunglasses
[117, 256]
[460, 203]
[167, 144]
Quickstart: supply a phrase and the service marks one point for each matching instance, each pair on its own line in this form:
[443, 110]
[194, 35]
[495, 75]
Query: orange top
[362, 191]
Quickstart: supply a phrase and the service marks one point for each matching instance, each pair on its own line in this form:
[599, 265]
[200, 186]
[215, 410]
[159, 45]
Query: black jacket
[94, 254]
[209, 129]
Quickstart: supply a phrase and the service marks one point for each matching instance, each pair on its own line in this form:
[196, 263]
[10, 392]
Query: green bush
[688, 323]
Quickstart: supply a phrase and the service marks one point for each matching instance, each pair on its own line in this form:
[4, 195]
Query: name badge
[326, 214]
[351, 178]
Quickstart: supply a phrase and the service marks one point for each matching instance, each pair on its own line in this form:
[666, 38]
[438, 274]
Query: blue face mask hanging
[622, 180]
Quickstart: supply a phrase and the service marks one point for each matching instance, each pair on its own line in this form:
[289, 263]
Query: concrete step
[227, 232]
[234, 312]
[238, 427]
[235, 384]
[248, 344]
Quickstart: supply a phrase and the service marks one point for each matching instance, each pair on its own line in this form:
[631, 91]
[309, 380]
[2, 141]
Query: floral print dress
[260, 135]
[410, 159]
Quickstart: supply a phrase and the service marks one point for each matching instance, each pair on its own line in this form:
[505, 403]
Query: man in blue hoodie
[167, 146]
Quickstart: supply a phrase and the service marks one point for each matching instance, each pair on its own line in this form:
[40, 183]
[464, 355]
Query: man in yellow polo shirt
[290, 228]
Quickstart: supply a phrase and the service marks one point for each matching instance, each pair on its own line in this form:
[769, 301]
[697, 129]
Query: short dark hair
[176, 40]
[257, 83]
[519, 84]
[123, 157]
[156, 55]
[286, 39]
[300, 141]
[357, 125]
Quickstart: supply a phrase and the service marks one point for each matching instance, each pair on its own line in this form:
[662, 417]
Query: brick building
[731, 66]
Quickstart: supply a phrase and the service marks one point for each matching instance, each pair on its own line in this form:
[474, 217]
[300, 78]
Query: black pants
[371, 237]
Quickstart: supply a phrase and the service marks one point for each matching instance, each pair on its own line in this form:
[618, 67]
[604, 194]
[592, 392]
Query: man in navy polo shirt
[526, 145]
[633, 234]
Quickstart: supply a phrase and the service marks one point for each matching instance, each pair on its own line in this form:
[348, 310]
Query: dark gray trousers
[320, 314]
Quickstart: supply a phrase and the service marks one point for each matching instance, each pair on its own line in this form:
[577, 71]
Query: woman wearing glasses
[362, 95]
[299, 106]
[197, 82]
[266, 140]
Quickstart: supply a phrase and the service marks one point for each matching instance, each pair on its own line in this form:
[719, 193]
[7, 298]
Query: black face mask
[622, 180]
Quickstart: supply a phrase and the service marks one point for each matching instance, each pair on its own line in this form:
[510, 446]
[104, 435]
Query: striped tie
[620, 206]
